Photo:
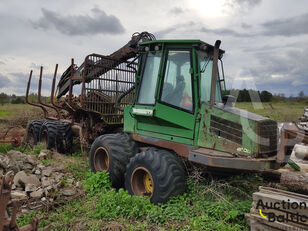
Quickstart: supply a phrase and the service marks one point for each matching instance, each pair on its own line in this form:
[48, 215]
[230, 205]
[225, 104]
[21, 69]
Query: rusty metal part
[217, 159]
[103, 83]
[9, 223]
[15, 141]
[101, 159]
[180, 149]
[34, 104]
[214, 72]
[70, 92]
[39, 94]
[128, 51]
[52, 100]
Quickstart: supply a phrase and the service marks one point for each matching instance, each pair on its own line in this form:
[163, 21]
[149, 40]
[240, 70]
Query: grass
[214, 204]
[279, 111]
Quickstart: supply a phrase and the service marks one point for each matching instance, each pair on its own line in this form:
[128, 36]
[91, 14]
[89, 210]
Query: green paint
[178, 120]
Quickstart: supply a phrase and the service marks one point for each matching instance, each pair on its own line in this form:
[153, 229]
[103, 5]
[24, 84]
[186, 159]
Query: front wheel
[111, 153]
[157, 174]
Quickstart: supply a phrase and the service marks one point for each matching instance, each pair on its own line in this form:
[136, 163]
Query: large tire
[48, 133]
[111, 153]
[33, 132]
[64, 139]
[156, 173]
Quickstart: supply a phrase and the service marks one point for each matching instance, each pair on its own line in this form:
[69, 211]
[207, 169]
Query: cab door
[173, 115]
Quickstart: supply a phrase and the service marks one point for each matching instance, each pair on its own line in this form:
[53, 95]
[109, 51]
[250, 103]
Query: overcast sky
[265, 41]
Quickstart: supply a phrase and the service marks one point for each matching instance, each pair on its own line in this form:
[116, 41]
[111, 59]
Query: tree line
[13, 99]
[243, 95]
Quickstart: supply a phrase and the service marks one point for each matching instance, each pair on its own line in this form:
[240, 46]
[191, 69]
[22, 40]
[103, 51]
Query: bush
[97, 182]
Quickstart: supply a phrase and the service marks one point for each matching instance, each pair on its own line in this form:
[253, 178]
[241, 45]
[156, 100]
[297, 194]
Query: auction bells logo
[281, 211]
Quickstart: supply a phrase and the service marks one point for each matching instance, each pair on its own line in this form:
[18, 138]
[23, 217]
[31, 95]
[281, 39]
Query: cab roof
[192, 42]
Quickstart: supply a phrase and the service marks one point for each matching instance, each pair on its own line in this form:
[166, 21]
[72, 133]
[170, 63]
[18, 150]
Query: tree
[266, 96]
[4, 98]
[301, 94]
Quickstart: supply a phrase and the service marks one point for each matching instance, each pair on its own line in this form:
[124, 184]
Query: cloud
[37, 66]
[287, 27]
[246, 26]
[241, 5]
[17, 83]
[282, 73]
[96, 23]
[2, 63]
[177, 10]
[226, 32]
[4, 81]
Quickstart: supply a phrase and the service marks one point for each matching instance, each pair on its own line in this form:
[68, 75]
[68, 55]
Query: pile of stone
[36, 181]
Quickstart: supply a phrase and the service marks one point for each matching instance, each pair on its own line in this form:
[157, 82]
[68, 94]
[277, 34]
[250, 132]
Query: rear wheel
[111, 153]
[48, 133]
[33, 132]
[64, 139]
[157, 174]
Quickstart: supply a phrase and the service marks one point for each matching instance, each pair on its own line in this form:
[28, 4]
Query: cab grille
[267, 132]
[226, 129]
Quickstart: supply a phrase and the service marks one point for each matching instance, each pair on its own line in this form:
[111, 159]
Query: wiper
[206, 60]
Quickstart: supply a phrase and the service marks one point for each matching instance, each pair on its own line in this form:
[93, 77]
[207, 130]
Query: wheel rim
[142, 182]
[101, 159]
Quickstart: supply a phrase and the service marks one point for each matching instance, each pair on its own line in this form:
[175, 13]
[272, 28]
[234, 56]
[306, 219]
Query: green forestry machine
[151, 104]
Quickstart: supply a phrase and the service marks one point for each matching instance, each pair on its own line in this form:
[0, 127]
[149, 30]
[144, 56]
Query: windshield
[206, 67]
[149, 79]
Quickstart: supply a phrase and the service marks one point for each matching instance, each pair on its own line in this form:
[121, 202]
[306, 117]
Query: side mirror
[228, 100]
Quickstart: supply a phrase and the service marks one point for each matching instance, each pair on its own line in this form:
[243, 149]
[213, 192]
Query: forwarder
[168, 100]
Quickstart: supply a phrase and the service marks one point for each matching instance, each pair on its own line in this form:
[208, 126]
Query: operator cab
[174, 78]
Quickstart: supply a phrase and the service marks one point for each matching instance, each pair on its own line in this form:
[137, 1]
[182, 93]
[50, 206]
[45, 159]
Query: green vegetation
[279, 111]
[216, 204]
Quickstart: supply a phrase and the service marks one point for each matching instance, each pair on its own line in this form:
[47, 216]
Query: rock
[17, 156]
[18, 195]
[68, 192]
[18, 177]
[37, 172]
[45, 154]
[48, 189]
[27, 166]
[41, 166]
[22, 179]
[8, 165]
[31, 159]
[43, 199]
[59, 176]
[47, 171]
[30, 188]
[46, 182]
[37, 194]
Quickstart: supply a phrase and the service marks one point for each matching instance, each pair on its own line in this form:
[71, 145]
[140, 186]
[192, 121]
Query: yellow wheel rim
[148, 184]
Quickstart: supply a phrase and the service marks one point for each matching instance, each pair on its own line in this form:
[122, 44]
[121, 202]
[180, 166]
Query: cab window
[206, 67]
[177, 84]
[149, 79]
